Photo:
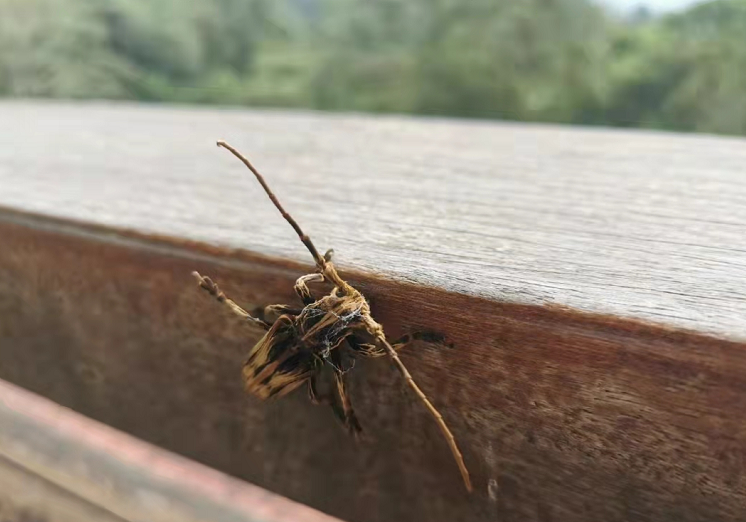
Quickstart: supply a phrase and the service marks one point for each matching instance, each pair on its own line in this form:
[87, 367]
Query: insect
[300, 342]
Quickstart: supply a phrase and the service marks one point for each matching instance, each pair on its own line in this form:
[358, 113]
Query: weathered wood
[561, 415]
[468, 228]
[56, 465]
[635, 224]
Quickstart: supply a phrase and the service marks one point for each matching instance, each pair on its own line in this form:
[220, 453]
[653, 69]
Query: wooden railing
[591, 282]
[58, 465]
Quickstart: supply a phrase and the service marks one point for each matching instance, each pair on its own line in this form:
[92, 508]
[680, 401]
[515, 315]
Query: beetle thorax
[324, 324]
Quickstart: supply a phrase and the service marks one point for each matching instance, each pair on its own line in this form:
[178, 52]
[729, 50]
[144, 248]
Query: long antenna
[320, 261]
[433, 411]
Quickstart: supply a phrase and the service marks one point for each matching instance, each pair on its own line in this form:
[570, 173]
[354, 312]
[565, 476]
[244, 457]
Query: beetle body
[296, 347]
[299, 344]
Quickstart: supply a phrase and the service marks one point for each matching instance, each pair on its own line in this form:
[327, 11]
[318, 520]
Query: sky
[655, 5]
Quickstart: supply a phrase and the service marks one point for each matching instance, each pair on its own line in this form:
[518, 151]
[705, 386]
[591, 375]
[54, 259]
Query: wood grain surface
[591, 283]
[56, 465]
[561, 415]
[634, 224]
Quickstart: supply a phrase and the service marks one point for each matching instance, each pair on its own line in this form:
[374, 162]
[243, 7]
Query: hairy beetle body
[278, 363]
[295, 348]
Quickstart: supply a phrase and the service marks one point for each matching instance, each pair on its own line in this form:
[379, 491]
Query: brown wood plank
[635, 224]
[56, 465]
[561, 415]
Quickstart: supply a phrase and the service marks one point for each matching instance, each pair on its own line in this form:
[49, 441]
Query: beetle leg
[208, 285]
[302, 289]
[313, 393]
[344, 414]
[364, 348]
[348, 414]
[272, 312]
[425, 336]
[326, 399]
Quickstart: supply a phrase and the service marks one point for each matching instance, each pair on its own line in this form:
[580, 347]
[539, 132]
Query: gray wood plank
[635, 224]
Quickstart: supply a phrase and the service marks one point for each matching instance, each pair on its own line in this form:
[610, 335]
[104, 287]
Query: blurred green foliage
[530, 60]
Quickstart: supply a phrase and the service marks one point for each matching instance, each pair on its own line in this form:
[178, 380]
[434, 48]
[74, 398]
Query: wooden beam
[560, 415]
[572, 387]
[56, 465]
[635, 224]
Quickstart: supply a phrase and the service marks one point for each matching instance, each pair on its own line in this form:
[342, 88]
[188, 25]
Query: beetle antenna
[433, 411]
[320, 261]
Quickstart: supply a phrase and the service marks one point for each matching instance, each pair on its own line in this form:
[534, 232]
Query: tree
[55, 48]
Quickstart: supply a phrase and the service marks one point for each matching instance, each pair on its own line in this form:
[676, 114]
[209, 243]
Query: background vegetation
[534, 60]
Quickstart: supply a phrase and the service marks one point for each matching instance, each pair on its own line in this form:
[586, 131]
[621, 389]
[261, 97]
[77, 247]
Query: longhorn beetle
[299, 343]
